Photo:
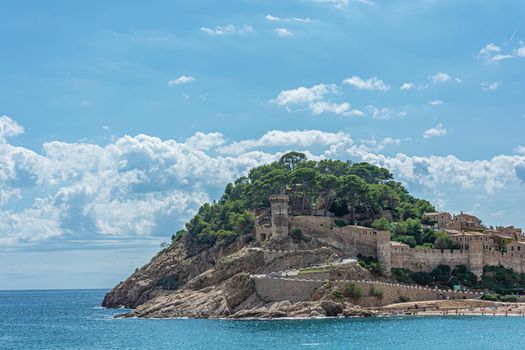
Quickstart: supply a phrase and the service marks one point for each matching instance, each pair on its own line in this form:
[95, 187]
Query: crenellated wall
[426, 260]
[273, 289]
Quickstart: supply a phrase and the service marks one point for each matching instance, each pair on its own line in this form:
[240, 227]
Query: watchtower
[279, 207]
[475, 256]
[383, 252]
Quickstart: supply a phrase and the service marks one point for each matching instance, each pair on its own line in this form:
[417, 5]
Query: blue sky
[118, 119]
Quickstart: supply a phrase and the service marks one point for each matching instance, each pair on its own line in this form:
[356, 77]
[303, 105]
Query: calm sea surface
[73, 320]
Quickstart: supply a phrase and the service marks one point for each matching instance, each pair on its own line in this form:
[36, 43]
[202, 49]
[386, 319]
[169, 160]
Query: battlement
[282, 198]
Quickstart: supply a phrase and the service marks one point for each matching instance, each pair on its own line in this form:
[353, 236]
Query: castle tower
[383, 252]
[279, 206]
[475, 256]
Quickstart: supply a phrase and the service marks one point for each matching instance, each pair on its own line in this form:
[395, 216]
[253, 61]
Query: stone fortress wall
[352, 240]
[296, 290]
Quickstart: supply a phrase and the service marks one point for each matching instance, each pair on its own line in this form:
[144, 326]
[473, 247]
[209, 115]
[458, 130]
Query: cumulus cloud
[183, 79]
[490, 86]
[229, 29]
[520, 52]
[440, 78]
[9, 128]
[142, 186]
[313, 99]
[492, 53]
[438, 130]
[412, 86]
[275, 138]
[373, 83]
[283, 32]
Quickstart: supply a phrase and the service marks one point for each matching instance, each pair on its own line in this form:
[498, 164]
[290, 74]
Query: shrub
[402, 275]
[509, 298]
[297, 235]
[353, 291]
[226, 237]
[376, 291]
[381, 224]
[403, 299]
[490, 297]
[441, 273]
[369, 263]
[422, 278]
[337, 294]
[340, 223]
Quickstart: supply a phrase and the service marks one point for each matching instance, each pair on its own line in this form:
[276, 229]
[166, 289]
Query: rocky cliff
[186, 280]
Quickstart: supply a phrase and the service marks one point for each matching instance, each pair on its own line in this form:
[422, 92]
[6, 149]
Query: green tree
[354, 190]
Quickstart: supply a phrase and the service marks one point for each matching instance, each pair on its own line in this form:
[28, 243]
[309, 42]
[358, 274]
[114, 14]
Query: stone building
[478, 246]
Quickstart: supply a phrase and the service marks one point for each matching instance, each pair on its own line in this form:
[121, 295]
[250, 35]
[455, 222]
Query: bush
[340, 223]
[422, 278]
[376, 291]
[402, 275]
[353, 291]
[297, 235]
[337, 294]
[381, 224]
[403, 299]
[441, 274]
[409, 240]
[369, 263]
[490, 297]
[508, 298]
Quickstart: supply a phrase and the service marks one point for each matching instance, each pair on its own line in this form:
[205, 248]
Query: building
[477, 245]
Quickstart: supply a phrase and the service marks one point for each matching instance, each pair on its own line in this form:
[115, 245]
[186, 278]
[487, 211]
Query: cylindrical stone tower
[279, 207]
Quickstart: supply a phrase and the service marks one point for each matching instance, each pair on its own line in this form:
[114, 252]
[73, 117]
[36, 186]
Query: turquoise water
[73, 320]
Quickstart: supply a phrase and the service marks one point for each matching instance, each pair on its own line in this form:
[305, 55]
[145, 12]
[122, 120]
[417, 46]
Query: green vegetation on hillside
[357, 193]
[495, 278]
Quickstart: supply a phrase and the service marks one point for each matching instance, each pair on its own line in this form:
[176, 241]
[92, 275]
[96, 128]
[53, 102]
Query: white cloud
[437, 131]
[435, 102]
[440, 77]
[271, 18]
[274, 138]
[283, 32]
[492, 54]
[412, 86]
[87, 103]
[373, 83]
[489, 49]
[229, 29]
[343, 3]
[302, 94]
[520, 52]
[9, 128]
[499, 58]
[490, 86]
[183, 79]
[379, 113]
[313, 100]
[407, 86]
[139, 186]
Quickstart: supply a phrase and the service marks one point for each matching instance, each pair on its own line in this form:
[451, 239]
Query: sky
[119, 119]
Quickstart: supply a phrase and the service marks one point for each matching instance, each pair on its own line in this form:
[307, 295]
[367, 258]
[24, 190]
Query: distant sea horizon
[74, 319]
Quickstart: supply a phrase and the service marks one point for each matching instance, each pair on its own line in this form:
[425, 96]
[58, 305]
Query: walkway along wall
[273, 289]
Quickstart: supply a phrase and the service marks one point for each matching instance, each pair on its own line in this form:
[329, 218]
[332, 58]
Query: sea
[73, 319]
